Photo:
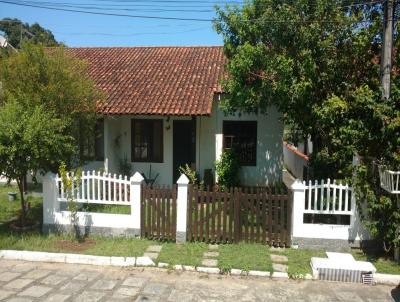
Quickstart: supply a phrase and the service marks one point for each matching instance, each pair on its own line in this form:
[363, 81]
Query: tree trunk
[20, 183]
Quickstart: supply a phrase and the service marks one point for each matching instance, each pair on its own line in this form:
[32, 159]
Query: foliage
[71, 183]
[192, 175]
[227, 168]
[16, 31]
[30, 139]
[125, 167]
[318, 63]
[57, 82]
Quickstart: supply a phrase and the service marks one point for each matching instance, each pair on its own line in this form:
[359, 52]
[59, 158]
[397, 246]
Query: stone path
[279, 261]
[209, 257]
[35, 281]
[153, 251]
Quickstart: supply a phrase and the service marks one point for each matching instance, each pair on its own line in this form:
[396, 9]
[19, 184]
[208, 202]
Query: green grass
[244, 256]
[299, 260]
[186, 254]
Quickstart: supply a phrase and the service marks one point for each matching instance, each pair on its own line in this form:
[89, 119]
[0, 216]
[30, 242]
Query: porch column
[107, 138]
[219, 138]
[51, 205]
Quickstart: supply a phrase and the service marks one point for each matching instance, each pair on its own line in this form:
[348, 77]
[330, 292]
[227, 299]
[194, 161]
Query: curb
[384, 279]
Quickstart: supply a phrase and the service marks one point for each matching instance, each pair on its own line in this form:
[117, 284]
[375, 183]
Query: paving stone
[87, 276]
[90, 296]
[18, 283]
[259, 274]
[213, 247]
[189, 268]
[72, 287]
[144, 298]
[279, 267]
[35, 291]
[153, 288]
[57, 298]
[134, 281]
[104, 284]
[151, 255]
[209, 262]
[279, 258]
[154, 248]
[277, 249]
[36, 274]
[18, 299]
[8, 276]
[126, 292]
[162, 264]
[5, 293]
[53, 280]
[181, 296]
[23, 267]
[280, 275]
[211, 254]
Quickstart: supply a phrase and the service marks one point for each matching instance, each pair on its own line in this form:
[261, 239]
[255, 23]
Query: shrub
[227, 169]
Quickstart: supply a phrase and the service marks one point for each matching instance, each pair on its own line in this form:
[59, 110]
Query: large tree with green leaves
[52, 78]
[17, 31]
[31, 138]
[318, 63]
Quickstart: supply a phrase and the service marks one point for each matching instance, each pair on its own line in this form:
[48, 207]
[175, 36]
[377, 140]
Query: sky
[78, 29]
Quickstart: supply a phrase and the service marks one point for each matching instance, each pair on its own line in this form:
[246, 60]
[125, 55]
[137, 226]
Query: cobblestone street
[33, 281]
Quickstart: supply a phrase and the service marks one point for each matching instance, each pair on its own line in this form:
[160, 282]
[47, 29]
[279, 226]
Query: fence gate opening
[158, 212]
[251, 215]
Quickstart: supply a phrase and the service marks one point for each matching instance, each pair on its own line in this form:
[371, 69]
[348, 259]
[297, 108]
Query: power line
[161, 17]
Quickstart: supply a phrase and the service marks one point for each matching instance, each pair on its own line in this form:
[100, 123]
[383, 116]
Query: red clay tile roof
[155, 80]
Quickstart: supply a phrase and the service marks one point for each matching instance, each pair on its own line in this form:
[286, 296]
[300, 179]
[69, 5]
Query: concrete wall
[208, 146]
[294, 161]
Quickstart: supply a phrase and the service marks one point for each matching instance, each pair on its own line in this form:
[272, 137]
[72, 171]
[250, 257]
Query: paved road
[29, 281]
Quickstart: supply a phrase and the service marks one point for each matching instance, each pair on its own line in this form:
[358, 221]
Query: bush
[227, 169]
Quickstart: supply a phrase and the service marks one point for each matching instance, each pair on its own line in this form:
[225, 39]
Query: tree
[31, 138]
[296, 55]
[318, 63]
[55, 80]
[17, 31]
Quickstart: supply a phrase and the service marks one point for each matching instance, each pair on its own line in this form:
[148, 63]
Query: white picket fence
[99, 188]
[325, 198]
[390, 180]
[328, 198]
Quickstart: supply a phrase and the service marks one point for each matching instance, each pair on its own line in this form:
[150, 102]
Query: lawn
[243, 256]
[186, 254]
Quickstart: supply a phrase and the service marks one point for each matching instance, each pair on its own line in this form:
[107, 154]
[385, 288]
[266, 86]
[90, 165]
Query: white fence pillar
[299, 195]
[136, 195]
[181, 208]
[51, 205]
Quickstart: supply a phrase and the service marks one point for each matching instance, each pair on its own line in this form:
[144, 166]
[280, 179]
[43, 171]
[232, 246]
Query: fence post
[181, 208]
[51, 205]
[135, 198]
[299, 197]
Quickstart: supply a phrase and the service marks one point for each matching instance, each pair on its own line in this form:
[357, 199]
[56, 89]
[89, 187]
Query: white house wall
[269, 145]
[208, 146]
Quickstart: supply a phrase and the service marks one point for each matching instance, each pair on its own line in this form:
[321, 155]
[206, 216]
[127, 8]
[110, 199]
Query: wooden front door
[184, 145]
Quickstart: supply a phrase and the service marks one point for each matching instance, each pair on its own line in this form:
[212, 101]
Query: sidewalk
[22, 281]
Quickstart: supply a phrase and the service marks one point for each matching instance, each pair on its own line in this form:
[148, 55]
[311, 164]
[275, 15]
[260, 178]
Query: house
[161, 112]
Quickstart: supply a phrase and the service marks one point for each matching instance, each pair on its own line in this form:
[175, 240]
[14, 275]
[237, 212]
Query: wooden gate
[158, 212]
[251, 215]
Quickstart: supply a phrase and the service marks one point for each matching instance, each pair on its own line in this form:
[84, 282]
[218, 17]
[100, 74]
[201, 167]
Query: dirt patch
[75, 246]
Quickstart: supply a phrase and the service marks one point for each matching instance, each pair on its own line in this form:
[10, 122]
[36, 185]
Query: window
[242, 137]
[147, 140]
[92, 146]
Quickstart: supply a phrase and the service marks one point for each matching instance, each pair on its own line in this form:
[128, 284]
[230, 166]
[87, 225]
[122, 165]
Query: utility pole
[387, 46]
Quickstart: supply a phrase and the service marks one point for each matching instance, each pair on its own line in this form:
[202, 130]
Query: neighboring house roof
[155, 80]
